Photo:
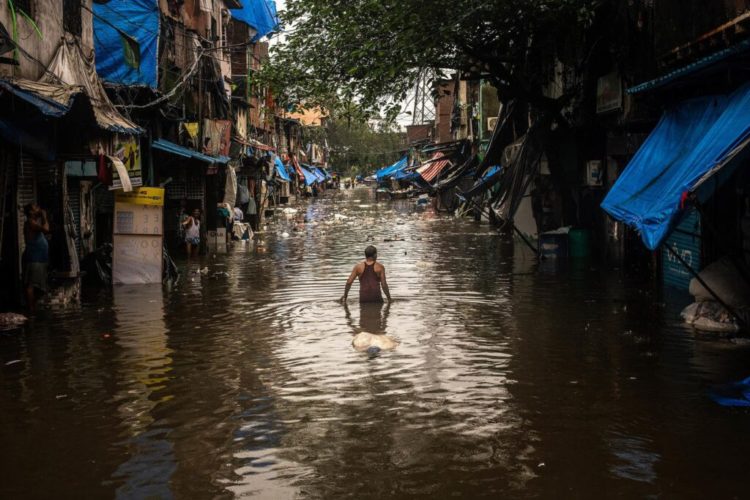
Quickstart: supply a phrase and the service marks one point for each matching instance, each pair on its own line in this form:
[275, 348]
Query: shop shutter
[685, 240]
[25, 193]
[74, 200]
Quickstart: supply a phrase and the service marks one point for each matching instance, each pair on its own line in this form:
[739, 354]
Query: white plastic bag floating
[364, 341]
[710, 316]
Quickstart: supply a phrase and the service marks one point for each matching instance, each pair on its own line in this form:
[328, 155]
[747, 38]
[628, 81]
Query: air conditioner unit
[491, 122]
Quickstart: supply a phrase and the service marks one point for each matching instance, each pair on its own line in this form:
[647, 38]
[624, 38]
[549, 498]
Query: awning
[310, 178]
[691, 68]
[314, 171]
[175, 149]
[433, 166]
[391, 170]
[281, 172]
[693, 149]
[51, 100]
[71, 67]
[489, 179]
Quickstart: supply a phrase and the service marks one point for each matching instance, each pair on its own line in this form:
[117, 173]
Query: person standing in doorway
[36, 253]
[252, 213]
[371, 276]
[192, 227]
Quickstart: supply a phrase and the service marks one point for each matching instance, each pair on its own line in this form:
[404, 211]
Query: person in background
[192, 227]
[36, 253]
[182, 216]
[371, 276]
[252, 213]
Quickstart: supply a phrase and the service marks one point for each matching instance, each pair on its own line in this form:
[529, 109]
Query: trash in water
[8, 321]
[733, 394]
[12, 362]
[285, 235]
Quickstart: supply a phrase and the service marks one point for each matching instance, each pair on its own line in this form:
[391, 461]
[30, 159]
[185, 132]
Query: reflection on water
[509, 379]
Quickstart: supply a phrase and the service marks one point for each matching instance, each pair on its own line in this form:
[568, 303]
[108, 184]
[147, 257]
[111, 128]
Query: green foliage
[14, 11]
[372, 51]
[355, 145]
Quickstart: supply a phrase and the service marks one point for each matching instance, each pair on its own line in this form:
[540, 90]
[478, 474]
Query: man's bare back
[371, 275]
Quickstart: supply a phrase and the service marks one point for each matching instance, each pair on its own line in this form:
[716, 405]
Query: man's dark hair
[371, 252]
[27, 209]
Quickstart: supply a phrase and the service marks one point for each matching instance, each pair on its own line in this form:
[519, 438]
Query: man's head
[197, 213]
[30, 209]
[371, 252]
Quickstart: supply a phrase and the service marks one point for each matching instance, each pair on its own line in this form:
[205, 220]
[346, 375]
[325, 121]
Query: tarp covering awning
[314, 171]
[281, 172]
[125, 41]
[51, 100]
[71, 68]
[177, 150]
[491, 177]
[391, 170]
[691, 143]
[310, 178]
[258, 14]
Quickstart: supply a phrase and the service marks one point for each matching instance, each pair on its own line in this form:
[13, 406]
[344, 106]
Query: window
[72, 17]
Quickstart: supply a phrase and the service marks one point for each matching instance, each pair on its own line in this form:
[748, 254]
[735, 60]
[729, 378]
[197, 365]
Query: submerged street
[510, 377]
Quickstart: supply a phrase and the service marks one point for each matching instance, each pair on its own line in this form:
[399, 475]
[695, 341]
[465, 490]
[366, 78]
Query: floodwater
[510, 379]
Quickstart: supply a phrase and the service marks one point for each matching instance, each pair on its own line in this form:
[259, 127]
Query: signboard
[685, 240]
[142, 196]
[128, 152]
[608, 93]
[138, 238]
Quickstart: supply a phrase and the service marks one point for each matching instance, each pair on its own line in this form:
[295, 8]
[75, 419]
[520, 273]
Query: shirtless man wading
[371, 276]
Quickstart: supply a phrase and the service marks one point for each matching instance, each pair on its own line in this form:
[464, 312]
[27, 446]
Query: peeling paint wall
[48, 15]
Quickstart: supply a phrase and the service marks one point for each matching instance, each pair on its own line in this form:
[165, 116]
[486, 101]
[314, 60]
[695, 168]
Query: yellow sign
[142, 196]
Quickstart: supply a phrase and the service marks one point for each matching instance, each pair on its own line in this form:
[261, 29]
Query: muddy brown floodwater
[510, 379]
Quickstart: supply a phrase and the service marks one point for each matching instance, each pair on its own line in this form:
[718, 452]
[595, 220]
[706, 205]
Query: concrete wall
[48, 15]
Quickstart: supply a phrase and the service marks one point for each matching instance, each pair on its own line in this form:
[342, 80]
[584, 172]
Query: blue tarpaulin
[406, 175]
[310, 178]
[46, 104]
[138, 19]
[391, 170]
[281, 171]
[491, 177]
[691, 143]
[316, 172]
[177, 150]
[258, 14]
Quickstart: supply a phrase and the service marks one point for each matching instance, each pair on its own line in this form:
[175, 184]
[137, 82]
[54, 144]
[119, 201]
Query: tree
[356, 146]
[372, 51]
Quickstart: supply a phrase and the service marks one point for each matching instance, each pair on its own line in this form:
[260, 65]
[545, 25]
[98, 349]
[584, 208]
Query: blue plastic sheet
[735, 394]
[689, 141]
[310, 178]
[392, 170]
[139, 19]
[258, 14]
[281, 171]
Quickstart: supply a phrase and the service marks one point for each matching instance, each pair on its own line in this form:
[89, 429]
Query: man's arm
[41, 226]
[384, 284]
[349, 282]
